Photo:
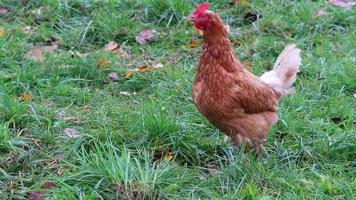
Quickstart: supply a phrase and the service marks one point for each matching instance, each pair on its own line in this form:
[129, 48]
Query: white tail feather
[285, 70]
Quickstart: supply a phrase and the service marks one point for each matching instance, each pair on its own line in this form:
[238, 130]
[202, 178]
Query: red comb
[201, 8]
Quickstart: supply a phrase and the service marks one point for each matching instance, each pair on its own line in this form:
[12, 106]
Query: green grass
[155, 145]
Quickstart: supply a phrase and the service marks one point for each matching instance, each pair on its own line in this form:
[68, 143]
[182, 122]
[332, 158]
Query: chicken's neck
[217, 52]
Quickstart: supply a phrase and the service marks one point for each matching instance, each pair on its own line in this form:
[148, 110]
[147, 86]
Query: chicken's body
[240, 104]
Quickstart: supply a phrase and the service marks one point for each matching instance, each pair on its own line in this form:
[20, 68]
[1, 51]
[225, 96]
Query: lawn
[83, 120]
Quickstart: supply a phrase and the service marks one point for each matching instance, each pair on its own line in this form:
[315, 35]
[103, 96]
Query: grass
[155, 145]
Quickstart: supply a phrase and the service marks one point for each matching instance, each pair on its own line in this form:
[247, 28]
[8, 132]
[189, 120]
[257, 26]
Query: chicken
[240, 104]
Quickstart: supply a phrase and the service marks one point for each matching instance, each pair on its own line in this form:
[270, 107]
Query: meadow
[81, 119]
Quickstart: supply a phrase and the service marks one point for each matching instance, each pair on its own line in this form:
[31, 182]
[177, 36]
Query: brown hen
[240, 104]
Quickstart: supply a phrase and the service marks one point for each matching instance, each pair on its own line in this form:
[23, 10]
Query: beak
[191, 18]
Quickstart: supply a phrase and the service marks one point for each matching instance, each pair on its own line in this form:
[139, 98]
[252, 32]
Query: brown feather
[237, 102]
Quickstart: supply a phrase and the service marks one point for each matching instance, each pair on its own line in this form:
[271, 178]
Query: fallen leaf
[193, 43]
[342, 3]
[158, 66]
[213, 166]
[72, 133]
[214, 169]
[26, 97]
[35, 54]
[321, 13]
[3, 10]
[144, 36]
[336, 120]
[169, 157]
[111, 46]
[36, 196]
[48, 185]
[114, 76]
[2, 32]
[102, 63]
[144, 68]
[125, 93]
[122, 54]
[128, 73]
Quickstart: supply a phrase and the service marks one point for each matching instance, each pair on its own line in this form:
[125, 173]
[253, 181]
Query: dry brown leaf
[114, 76]
[48, 185]
[35, 54]
[144, 68]
[144, 36]
[114, 47]
[128, 73]
[102, 63]
[111, 46]
[193, 43]
[26, 97]
[321, 13]
[214, 169]
[72, 133]
[36, 196]
[342, 3]
[3, 10]
[2, 32]
[169, 157]
[122, 54]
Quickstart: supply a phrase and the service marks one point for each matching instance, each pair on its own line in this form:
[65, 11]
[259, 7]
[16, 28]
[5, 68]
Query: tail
[284, 72]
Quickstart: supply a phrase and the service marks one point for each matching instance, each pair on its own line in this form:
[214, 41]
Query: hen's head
[205, 19]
